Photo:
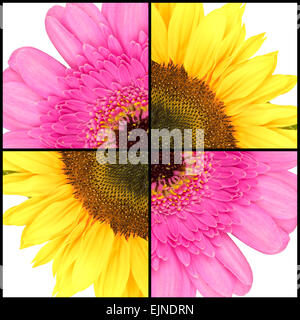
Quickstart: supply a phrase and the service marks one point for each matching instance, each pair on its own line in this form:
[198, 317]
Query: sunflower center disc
[180, 102]
[112, 193]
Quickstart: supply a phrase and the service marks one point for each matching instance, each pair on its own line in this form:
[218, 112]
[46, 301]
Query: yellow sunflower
[95, 222]
[203, 76]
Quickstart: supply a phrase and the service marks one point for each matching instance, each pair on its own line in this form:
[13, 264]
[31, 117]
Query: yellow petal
[165, 10]
[70, 251]
[224, 56]
[48, 251]
[132, 289]
[35, 161]
[266, 114]
[185, 18]
[234, 33]
[159, 47]
[139, 262]
[55, 220]
[290, 134]
[10, 166]
[249, 48]
[26, 184]
[201, 50]
[272, 87]
[234, 13]
[262, 137]
[65, 257]
[64, 286]
[95, 249]
[25, 212]
[113, 280]
[246, 77]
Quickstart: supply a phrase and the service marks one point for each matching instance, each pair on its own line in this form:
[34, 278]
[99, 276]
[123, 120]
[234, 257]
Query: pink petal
[144, 59]
[160, 231]
[82, 26]
[183, 255]
[287, 225]
[114, 45]
[277, 197]
[187, 289]
[137, 68]
[20, 139]
[258, 230]
[127, 20]
[91, 10]
[286, 176]
[56, 12]
[241, 289]
[170, 280]
[63, 40]
[233, 259]
[279, 160]
[203, 287]
[10, 75]
[124, 74]
[20, 105]
[215, 275]
[38, 70]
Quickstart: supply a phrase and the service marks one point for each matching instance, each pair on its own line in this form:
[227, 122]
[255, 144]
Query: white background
[274, 275]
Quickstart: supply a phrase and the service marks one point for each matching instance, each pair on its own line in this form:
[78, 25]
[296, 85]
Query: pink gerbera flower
[250, 195]
[48, 105]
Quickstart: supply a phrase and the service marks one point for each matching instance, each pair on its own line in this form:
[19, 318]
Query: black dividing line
[149, 149]
[149, 143]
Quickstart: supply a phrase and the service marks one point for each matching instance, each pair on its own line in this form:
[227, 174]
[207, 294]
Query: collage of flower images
[149, 150]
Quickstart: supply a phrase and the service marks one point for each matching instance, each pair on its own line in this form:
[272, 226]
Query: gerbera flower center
[186, 189]
[181, 102]
[113, 193]
[128, 104]
[165, 172]
[133, 123]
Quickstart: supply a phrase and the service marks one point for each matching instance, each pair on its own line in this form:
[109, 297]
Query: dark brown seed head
[113, 193]
[181, 102]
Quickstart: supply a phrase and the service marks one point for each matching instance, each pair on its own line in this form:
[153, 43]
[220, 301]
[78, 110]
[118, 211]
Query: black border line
[226, 303]
[149, 152]
[149, 137]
